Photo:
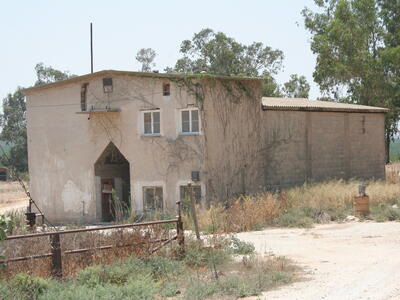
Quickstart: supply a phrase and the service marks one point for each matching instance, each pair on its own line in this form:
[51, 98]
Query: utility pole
[91, 48]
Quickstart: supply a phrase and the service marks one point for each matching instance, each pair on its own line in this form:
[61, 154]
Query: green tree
[46, 74]
[215, 53]
[351, 40]
[13, 119]
[146, 57]
[296, 87]
[13, 123]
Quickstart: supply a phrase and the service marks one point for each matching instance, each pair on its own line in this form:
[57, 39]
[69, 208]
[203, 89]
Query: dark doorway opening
[113, 170]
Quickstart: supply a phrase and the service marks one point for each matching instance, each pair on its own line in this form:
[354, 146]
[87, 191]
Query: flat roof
[303, 104]
[130, 73]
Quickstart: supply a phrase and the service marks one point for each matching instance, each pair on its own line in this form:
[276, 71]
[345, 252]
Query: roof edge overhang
[326, 109]
[86, 77]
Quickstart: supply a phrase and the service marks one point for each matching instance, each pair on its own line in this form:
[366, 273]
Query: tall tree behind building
[351, 39]
[216, 53]
[13, 118]
[146, 57]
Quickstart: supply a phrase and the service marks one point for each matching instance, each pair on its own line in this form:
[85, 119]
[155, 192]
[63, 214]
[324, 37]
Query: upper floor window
[190, 120]
[166, 89]
[151, 122]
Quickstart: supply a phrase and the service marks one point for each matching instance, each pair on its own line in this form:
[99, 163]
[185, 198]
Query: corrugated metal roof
[136, 74]
[303, 104]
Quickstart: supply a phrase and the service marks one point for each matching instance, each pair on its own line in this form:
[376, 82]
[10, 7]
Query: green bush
[24, 286]
[295, 217]
[198, 289]
[384, 212]
[162, 267]
[237, 246]
[196, 255]
[117, 273]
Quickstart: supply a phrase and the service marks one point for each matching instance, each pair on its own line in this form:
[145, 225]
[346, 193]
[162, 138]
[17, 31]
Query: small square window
[151, 122]
[190, 122]
[166, 89]
[153, 198]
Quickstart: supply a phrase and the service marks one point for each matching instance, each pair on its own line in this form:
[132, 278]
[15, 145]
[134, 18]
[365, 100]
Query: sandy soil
[340, 261]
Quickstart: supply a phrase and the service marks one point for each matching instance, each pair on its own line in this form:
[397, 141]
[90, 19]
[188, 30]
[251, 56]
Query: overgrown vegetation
[302, 206]
[206, 271]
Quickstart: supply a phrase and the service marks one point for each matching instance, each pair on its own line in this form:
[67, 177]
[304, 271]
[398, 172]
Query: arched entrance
[112, 169]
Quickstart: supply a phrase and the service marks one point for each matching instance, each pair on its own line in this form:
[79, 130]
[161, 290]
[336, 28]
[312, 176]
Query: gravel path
[341, 261]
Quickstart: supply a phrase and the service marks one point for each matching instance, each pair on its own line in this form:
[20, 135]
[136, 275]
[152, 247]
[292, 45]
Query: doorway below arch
[112, 173]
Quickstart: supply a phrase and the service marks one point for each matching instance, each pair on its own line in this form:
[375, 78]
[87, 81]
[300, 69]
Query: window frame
[183, 186]
[166, 91]
[190, 132]
[151, 111]
[154, 188]
[84, 88]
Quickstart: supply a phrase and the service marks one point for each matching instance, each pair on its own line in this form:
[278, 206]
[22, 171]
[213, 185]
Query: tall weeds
[295, 207]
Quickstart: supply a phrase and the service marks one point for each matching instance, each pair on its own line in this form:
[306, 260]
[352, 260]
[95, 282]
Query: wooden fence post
[180, 234]
[194, 215]
[56, 264]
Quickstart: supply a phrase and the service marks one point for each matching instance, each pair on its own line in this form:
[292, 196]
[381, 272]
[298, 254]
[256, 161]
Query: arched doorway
[112, 168]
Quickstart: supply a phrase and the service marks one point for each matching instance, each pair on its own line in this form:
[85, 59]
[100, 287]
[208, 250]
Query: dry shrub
[331, 198]
[393, 173]
[137, 240]
[243, 214]
[250, 213]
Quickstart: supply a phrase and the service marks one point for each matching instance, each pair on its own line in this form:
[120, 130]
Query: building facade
[125, 139]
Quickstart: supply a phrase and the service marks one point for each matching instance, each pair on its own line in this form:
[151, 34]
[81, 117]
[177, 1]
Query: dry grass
[298, 206]
[136, 238]
[11, 192]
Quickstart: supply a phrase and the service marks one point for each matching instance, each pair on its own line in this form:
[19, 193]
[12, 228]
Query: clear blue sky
[57, 33]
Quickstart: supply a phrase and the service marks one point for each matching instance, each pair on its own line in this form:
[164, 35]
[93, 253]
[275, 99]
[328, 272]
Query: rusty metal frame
[56, 251]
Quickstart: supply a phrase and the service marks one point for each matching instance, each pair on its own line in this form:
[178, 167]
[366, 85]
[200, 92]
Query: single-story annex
[139, 138]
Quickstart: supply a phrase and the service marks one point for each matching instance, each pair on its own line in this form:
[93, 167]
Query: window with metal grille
[196, 192]
[151, 122]
[190, 120]
[153, 198]
[166, 89]
[84, 96]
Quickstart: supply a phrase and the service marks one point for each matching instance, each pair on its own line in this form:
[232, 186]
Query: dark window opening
[84, 96]
[196, 192]
[107, 85]
[166, 89]
[152, 198]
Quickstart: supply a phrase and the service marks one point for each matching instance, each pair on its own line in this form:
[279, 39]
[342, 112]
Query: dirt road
[341, 261]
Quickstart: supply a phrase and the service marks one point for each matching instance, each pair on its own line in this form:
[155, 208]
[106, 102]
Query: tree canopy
[13, 118]
[216, 53]
[357, 48]
[146, 57]
[296, 87]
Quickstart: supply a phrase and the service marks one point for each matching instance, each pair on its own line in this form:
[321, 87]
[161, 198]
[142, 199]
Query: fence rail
[55, 242]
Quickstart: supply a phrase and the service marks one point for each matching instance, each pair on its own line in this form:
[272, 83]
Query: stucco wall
[240, 149]
[315, 146]
[64, 146]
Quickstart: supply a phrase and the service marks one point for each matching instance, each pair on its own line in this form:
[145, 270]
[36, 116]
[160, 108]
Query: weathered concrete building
[140, 137]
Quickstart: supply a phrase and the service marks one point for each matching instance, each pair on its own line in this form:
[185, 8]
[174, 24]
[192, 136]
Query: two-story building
[141, 137]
